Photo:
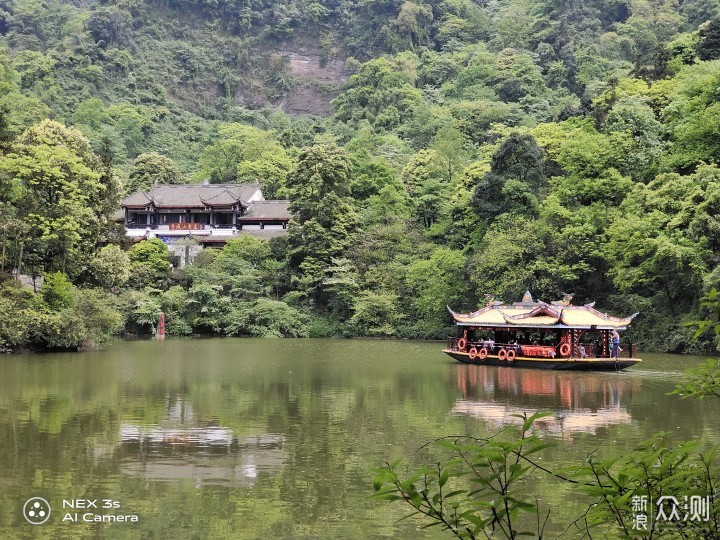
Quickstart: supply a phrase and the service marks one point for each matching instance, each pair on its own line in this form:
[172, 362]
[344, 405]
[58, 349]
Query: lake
[261, 438]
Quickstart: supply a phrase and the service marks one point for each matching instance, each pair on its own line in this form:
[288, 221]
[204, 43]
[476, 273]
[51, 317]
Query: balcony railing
[167, 227]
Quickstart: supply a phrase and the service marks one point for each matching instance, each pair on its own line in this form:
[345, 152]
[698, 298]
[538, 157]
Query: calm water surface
[230, 438]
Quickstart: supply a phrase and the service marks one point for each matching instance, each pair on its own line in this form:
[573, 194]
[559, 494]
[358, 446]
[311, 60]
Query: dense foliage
[479, 149]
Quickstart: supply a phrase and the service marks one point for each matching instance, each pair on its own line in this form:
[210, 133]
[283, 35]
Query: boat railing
[491, 346]
[584, 350]
[580, 350]
[594, 350]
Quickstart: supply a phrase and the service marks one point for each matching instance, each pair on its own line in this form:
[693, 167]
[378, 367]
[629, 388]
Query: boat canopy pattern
[538, 314]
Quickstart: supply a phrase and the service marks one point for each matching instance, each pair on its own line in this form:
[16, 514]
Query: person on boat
[615, 343]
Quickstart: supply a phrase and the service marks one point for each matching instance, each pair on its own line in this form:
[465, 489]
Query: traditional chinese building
[210, 213]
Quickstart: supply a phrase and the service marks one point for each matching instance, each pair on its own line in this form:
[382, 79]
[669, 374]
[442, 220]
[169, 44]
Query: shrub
[19, 312]
[267, 318]
[57, 291]
[91, 320]
[322, 327]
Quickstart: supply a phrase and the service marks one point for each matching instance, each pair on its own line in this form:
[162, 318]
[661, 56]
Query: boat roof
[538, 314]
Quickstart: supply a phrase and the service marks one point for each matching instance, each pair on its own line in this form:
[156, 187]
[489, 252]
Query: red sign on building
[186, 226]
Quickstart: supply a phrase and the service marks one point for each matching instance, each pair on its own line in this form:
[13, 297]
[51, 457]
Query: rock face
[315, 85]
[306, 65]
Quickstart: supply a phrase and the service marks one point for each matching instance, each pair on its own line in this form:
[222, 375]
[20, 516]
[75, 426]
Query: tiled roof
[267, 210]
[192, 195]
[540, 314]
[139, 198]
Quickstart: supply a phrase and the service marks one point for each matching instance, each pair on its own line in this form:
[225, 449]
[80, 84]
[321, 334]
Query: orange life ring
[565, 349]
[461, 344]
[511, 356]
[502, 355]
[482, 353]
[472, 353]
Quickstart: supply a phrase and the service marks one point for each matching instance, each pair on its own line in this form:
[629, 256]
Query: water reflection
[183, 447]
[225, 438]
[581, 402]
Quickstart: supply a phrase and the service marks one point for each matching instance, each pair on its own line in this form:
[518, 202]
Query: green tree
[324, 218]
[451, 150]
[516, 180]
[141, 310]
[91, 113]
[20, 313]
[708, 47]
[150, 169]
[692, 117]
[272, 318]
[517, 77]
[244, 152]
[132, 125]
[110, 267]
[246, 248]
[58, 189]
[57, 291]
[342, 284]
[636, 119]
[437, 282]
[380, 92]
[149, 264]
[110, 26]
[376, 314]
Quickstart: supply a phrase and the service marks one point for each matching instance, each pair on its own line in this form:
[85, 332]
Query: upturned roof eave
[540, 326]
[246, 218]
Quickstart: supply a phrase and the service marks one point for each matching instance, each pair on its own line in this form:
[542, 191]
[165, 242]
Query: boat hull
[574, 364]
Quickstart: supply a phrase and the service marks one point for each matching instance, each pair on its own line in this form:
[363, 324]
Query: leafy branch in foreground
[475, 493]
[702, 381]
[483, 489]
[627, 490]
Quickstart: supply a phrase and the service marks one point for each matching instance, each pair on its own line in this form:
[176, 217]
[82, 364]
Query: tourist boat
[540, 335]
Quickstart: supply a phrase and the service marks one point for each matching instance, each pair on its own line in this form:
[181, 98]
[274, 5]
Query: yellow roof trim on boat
[539, 320]
[528, 314]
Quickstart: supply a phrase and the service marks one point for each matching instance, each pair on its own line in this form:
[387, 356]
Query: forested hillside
[477, 149]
